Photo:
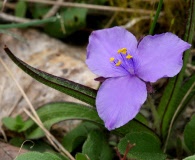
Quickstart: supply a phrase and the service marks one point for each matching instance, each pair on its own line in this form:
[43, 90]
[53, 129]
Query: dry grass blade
[11, 18]
[53, 10]
[2, 86]
[22, 146]
[50, 137]
[35, 117]
[92, 6]
[3, 6]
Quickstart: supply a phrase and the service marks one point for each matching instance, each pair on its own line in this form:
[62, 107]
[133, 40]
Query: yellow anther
[122, 50]
[129, 56]
[118, 63]
[111, 59]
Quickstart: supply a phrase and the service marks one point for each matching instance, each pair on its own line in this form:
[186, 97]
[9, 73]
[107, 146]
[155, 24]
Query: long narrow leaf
[73, 89]
[186, 94]
[167, 105]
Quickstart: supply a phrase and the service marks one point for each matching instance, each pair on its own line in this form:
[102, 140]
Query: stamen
[122, 50]
[111, 59]
[129, 56]
[118, 63]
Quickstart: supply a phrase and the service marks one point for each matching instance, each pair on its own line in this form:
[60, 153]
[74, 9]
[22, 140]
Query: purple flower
[127, 65]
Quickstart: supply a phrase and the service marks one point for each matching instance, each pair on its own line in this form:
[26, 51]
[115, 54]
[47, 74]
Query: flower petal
[160, 56]
[104, 44]
[120, 99]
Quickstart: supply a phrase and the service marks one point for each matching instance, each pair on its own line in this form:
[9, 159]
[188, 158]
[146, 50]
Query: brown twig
[128, 148]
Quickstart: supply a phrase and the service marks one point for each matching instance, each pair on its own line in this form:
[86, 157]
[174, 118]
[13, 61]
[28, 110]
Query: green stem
[31, 23]
[155, 114]
[156, 17]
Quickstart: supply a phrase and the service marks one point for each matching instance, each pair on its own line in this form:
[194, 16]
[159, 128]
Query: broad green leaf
[16, 124]
[20, 9]
[40, 156]
[78, 135]
[55, 156]
[31, 156]
[147, 146]
[55, 112]
[73, 89]
[133, 126]
[189, 136]
[72, 19]
[96, 146]
[80, 156]
[189, 158]
[167, 106]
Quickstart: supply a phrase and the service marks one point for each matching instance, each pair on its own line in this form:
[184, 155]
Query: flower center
[123, 60]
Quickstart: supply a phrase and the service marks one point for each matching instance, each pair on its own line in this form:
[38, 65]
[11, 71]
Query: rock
[9, 152]
[44, 53]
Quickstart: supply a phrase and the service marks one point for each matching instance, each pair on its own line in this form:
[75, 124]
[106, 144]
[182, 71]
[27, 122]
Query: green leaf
[16, 124]
[189, 136]
[12, 123]
[20, 9]
[133, 126]
[60, 111]
[186, 94]
[187, 91]
[80, 156]
[189, 158]
[73, 89]
[55, 112]
[141, 118]
[54, 156]
[77, 136]
[147, 146]
[30, 156]
[96, 147]
[72, 19]
[39, 10]
[40, 156]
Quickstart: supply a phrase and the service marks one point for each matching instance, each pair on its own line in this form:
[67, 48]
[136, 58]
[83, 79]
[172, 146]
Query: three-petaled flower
[127, 65]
